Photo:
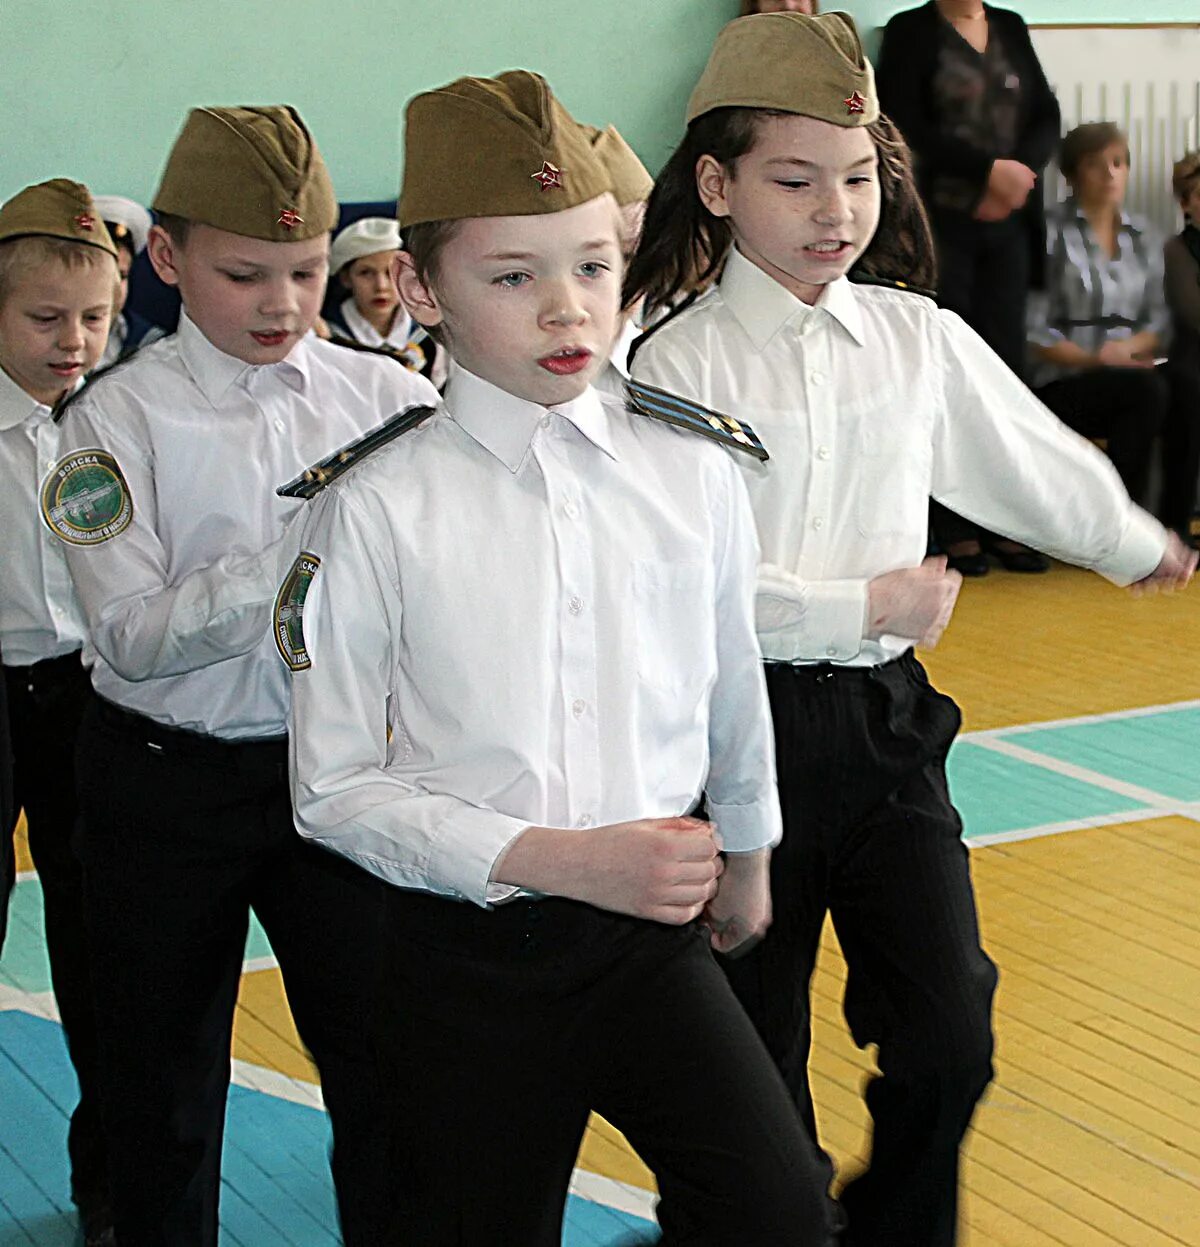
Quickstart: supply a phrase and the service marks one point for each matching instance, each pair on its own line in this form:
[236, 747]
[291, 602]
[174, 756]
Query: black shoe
[1022, 560]
[973, 565]
[97, 1226]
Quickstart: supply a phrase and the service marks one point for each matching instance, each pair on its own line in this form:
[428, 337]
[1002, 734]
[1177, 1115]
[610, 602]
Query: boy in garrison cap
[58, 283]
[523, 651]
[177, 542]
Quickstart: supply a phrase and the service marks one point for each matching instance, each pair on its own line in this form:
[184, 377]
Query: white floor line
[40, 1004]
[623, 1196]
[1137, 712]
[253, 964]
[1135, 792]
[1071, 824]
[281, 1086]
[24, 876]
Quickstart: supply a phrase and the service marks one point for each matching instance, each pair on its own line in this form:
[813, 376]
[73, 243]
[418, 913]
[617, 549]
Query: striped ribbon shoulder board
[312, 480]
[648, 400]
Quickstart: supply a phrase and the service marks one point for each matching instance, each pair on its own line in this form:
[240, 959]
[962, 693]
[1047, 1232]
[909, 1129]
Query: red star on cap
[289, 218]
[856, 103]
[85, 220]
[550, 176]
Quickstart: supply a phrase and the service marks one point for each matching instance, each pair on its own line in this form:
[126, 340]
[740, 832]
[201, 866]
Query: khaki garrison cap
[791, 62]
[59, 208]
[500, 146]
[630, 179]
[252, 171]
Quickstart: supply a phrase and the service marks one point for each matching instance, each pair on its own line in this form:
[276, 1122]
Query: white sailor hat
[125, 212]
[366, 236]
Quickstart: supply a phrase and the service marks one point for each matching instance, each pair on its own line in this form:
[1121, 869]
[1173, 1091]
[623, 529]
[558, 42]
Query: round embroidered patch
[289, 611]
[85, 499]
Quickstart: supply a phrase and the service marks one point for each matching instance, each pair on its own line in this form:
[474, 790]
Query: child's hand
[915, 602]
[740, 913]
[663, 869]
[1175, 569]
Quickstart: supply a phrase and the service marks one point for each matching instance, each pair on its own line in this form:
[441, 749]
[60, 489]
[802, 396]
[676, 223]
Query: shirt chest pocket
[674, 624]
[893, 477]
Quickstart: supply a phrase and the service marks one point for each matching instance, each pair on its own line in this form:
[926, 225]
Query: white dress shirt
[361, 329]
[179, 604]
[868, 403]
[39, 615]
[550, 614]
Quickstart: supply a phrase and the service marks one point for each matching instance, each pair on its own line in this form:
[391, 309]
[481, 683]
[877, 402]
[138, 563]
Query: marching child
[58, 283]
[869, 400]
[526, 649]
[176, 542]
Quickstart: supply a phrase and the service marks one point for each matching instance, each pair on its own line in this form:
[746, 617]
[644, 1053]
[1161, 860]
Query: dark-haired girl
[870, 399]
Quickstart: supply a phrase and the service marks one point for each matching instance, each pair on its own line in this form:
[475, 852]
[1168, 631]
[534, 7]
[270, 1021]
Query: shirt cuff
[809, 621]
[465, 852]
[1138, 553]
[745, 828]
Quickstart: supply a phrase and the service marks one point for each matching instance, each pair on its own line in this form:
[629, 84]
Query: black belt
[1112, 321]
[823, 672]
[198, 745]
[49, 671]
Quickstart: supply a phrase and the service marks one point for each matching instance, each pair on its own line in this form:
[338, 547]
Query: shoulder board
[312, 480]
[888, 284]
[352, 344]
[658, 324]
[648, 400]
[68, 400]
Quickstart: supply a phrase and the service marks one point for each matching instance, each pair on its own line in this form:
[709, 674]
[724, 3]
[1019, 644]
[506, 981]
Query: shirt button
[823, 452]
[279, 425]
[575, 606]
[818, 523]
[546, 422]
[578, 706]
[832, 651]
[817, 377]
[584, 820]
[571, 511]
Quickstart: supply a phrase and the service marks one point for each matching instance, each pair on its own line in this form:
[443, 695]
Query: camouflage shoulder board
[312, 480]
[648, 400]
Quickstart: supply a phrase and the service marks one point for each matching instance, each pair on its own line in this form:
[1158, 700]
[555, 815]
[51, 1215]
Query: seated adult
[1181, 258]
[1099, 331]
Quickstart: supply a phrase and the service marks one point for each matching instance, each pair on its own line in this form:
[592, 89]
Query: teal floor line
[1155, 751]
[276, 1190]
[995, 793]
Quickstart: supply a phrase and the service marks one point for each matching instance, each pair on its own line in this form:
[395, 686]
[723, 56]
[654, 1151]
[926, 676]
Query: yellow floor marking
[1027, 648]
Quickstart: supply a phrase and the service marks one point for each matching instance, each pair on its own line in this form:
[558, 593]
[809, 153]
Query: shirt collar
[215, 372]
[15, 405]
[504, 424]
[762, 306]
[1073, 208]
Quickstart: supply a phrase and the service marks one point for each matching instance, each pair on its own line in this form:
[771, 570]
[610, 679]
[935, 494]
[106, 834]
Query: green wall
[97, 90]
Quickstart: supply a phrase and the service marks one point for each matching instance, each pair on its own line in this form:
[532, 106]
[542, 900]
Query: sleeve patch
[289, 612]
[84, 498]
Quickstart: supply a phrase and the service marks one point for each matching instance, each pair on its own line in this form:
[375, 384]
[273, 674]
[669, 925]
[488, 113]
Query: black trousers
[983, 275]
[503, 1028]
[870, 836]
[185, 834]
[45, 704]
[1130, 407]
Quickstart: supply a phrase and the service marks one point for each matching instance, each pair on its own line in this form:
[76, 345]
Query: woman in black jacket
[962, 81]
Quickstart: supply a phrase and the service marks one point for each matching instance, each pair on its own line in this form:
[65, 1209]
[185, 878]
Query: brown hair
[1087, 140]
[1185, 174]
[684, 246]
[19, 255]
[177, 227]
[752, 6]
